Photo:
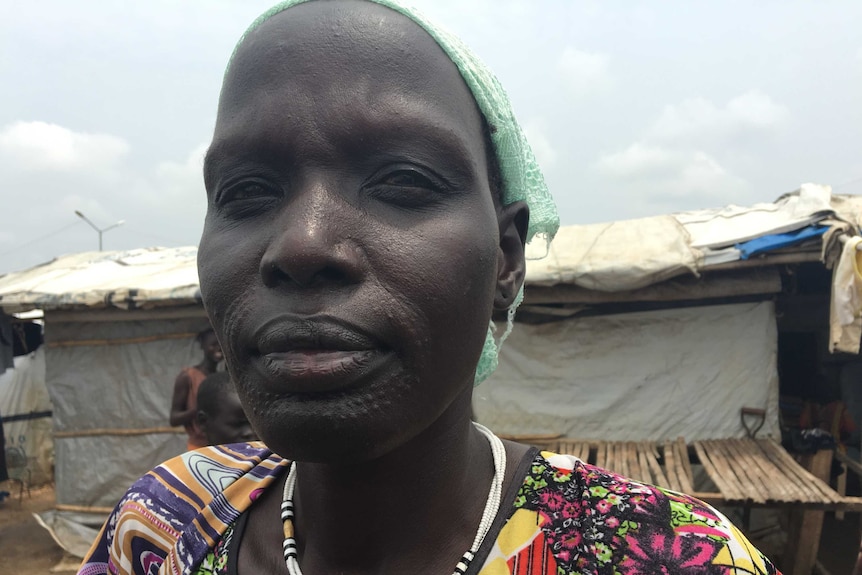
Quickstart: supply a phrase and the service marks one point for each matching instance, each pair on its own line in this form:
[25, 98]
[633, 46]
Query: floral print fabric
[572, 518]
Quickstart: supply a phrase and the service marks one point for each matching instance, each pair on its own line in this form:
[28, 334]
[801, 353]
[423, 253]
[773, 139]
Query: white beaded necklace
[492, 506]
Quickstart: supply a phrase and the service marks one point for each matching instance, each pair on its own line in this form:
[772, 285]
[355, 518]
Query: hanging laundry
[7, 353]
[845, 323]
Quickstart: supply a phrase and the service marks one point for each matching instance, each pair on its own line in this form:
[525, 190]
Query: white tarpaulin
[617, 256]
[128, 280]
[726, 226]
[639, 376]
[631, 254]
[26, 411]
[111, 384]
[108, 392]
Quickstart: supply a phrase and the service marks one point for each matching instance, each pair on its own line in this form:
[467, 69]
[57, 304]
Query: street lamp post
[100, 231]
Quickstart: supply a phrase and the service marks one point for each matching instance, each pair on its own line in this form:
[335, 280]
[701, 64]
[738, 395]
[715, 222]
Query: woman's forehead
[352, 50]
[314, 26]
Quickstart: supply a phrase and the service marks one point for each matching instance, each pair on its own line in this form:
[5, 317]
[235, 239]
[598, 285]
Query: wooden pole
[803, 540]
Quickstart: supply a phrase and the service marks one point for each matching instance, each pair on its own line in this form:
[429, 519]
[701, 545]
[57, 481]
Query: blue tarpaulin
[776, 241]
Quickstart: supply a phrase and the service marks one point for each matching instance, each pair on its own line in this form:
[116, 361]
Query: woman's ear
[511, 264]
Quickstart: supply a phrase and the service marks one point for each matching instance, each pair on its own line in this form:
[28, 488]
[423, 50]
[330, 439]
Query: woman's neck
[404, 512]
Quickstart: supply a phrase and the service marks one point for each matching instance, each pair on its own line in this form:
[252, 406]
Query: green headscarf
[522, 180]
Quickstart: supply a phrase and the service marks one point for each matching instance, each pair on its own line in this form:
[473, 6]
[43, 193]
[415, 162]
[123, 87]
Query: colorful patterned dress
[564, 518]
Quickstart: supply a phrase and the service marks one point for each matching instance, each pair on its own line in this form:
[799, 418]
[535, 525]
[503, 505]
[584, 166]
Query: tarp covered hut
[118, 328]
[668, 326]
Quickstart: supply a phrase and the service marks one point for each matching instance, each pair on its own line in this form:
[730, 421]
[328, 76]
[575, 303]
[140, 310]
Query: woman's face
[351, 253]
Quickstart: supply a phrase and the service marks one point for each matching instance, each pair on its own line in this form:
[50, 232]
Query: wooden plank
[728, 284]
[781, 490]
[682, 454]
[602, 455]
[771, 486]
[718, 472]
[804, 482]
[639, 473]
[747, 470]
[53, 317]
[803, 539]
[851, 504]
[120, 341]
[727, 467]
[673, 480]
[579, 449]
[645, 472]
[632, 465]
[681, 466]
[734, 470]
[622, 465]
[628, 466]
[608, 456]
[728, 489]
[651, 453]
[117, 432]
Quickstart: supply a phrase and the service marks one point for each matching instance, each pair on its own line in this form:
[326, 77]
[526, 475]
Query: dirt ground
[25, 547]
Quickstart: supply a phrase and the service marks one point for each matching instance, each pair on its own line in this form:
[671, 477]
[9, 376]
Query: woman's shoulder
[183, 503]
[591, 519]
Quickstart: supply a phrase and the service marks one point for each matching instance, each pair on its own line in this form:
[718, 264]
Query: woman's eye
[408, 179]
[407, 188]
[247, 196]
[247, 190]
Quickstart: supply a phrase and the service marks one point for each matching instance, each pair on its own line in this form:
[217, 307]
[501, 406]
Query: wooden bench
[752, 472]
[759, 472]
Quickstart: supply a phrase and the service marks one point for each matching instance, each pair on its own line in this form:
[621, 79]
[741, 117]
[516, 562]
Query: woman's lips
[313, 356]
[320, 370]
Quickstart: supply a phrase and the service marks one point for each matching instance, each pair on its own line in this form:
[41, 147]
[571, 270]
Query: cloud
[44, 146]
[686, 158]
[639, 160]
[542, 147]
[183, 179]
[699, 119]
[584, 73]
[55, 171]
[667, 175]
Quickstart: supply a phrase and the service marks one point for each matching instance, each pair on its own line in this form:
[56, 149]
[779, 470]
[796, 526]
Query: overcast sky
[633, 108]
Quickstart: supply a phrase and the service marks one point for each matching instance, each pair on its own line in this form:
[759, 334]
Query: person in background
[184, 406]
[220, 415]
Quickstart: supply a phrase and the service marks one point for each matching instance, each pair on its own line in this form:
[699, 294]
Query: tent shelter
[118, 328]
[669, 326]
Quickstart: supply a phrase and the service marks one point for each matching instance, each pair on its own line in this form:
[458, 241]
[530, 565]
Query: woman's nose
[313, 245]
